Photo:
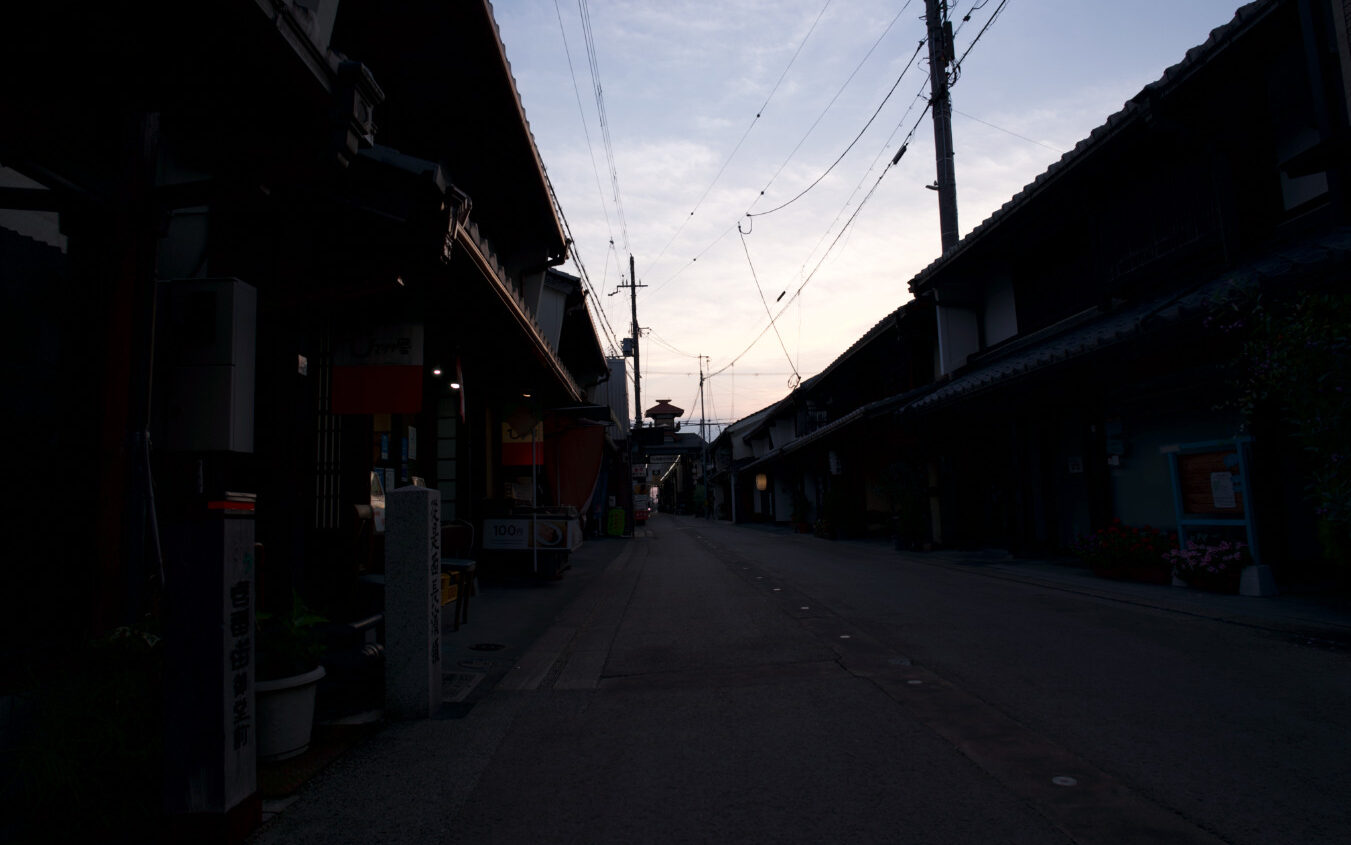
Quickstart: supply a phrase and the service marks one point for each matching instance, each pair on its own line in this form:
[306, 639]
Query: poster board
[1211, 483]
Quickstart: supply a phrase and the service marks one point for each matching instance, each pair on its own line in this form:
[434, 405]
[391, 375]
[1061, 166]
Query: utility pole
[637, 362]
[703, 435]
[940, 56]
[631, 346]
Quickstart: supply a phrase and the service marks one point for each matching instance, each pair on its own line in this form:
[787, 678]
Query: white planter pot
[286, 715]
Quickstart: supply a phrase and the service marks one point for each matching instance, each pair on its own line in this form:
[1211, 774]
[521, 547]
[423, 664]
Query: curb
[1169, 599]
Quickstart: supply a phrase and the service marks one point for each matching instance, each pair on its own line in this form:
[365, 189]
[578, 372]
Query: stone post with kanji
[412, 603]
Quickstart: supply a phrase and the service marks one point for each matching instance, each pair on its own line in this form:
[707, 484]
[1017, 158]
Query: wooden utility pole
[940, 57]
[637, 362]
[703, 435]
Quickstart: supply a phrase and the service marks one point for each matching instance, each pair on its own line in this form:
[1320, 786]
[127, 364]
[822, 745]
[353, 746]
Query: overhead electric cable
[728, 231]
[883, 150]
[774, 318]
[663, 342]
[581, 268]
[1009, 132]
[765, 302]
[758, 112]
[594, 63]
[586, 132]
[958, 64]
[840, 158]
[826, 110]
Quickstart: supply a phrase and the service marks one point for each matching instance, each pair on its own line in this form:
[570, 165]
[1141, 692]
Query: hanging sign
[522, 448]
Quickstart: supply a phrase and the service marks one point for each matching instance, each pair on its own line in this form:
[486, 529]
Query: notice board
[1211, 483]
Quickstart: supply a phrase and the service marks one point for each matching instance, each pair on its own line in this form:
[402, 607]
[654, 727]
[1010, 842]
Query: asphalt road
[710, 683]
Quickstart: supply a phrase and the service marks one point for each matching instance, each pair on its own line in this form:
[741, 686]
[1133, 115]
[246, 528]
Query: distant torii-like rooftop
[663, 414]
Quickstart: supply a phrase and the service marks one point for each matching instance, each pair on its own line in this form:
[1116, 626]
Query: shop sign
[378, 370]
[552, 534]
[398, 345]
[522, 448]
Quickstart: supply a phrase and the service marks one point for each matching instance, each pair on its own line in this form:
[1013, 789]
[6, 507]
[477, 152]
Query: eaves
[1083, 338]
[1135, 110]
[473, 244]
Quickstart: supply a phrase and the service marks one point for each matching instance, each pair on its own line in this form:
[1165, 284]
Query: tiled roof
[1330, 249]
[1220, 38]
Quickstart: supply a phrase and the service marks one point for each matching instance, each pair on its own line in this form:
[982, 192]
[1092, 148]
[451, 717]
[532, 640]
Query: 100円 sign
[544, 533]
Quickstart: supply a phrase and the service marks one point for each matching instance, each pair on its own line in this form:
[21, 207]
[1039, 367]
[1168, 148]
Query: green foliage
[1295, 364]
[289, 643]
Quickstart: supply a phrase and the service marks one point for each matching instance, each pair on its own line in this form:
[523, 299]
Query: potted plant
[288, 674]
[1211, 565]
[1128, 553]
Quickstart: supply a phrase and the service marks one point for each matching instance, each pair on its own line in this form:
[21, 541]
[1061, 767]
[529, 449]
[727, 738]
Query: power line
[581, 268]
[827, 171]
[826, 110]
[728, 231]
[773, 319]
[760, 111]
[693, 373]
[1009, 132]
[586, 132]
[667, 344]
[594, 63]
[957, 67]
[882, 151]
[765, 302]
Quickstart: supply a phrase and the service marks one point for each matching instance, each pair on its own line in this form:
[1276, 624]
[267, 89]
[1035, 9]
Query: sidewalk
[506, 617]
[1314, 617]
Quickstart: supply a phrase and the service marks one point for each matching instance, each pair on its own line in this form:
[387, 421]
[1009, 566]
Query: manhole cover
[487, 646]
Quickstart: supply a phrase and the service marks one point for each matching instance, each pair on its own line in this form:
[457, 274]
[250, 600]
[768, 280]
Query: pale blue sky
[683, 81]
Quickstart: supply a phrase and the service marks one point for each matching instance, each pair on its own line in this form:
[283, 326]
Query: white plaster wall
[958, 337]
[1001, 315]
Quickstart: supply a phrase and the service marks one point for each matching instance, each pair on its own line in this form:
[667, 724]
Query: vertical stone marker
[412, 603]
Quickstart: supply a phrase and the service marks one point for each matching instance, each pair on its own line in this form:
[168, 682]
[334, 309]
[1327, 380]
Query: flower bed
[1211, 565]
[1126, 552]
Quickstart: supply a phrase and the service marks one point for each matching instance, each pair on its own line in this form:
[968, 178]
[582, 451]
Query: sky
[713, 109]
